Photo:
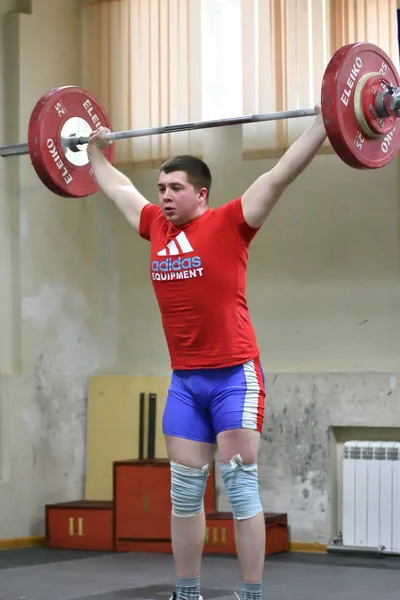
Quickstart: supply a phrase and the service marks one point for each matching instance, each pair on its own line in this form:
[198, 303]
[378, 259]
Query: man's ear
[203, 194]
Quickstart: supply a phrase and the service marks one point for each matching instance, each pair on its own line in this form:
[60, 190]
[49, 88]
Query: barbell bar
[360, 106]
[73, 142]
[256, 118]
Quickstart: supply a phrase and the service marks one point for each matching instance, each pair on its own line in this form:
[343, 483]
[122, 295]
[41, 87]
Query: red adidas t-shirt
[198, 272]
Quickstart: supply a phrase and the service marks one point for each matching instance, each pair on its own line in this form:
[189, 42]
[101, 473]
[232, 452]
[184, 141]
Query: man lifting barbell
[216, 396]
[198, 269]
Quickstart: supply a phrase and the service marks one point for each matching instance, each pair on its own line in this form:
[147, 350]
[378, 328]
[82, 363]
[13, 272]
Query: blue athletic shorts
[203, 402]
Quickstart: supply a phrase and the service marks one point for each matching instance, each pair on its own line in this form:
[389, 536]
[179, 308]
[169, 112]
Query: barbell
[360, 105]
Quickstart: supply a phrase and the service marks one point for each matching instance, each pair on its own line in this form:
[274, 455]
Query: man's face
[179, 200]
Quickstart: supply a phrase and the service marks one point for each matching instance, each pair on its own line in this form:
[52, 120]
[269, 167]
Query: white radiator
[371, 494]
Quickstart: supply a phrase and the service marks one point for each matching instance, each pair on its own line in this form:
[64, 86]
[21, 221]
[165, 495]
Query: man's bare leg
[188, 533]
[249, 532]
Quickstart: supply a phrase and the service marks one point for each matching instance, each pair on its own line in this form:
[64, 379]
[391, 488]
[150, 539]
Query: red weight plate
[344, 70]
[50, 161]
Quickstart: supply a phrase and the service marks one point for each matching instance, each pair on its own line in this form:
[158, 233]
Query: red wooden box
[80, 525]
[143, 505]
[220, 538]
[276, 533]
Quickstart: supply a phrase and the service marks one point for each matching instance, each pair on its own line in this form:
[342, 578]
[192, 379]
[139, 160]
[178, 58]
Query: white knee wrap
[187, 489]
[241, 486]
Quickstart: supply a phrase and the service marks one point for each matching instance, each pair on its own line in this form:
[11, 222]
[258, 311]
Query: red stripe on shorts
[261, 395]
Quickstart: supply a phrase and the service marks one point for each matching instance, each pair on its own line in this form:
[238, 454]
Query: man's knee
[187, 489]
[241, 486]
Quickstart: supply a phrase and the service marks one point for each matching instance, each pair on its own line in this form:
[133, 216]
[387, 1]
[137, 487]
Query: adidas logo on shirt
[179, 245]
[175, 265]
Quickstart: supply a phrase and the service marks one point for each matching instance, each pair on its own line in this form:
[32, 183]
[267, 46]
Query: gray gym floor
[44, 574]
